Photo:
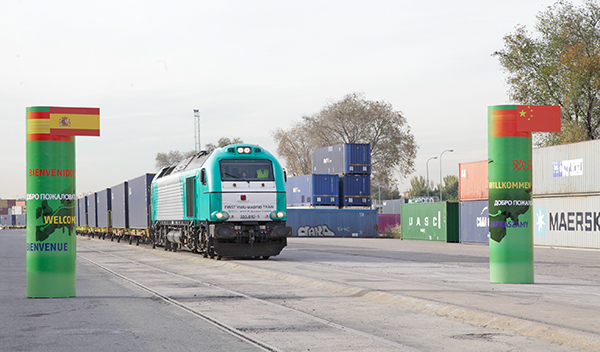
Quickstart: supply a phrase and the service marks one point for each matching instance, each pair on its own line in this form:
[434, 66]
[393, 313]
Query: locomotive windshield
[246, 169]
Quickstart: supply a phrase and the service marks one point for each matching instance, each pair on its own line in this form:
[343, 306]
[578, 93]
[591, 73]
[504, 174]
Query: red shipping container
[388, 220]
[473, 181]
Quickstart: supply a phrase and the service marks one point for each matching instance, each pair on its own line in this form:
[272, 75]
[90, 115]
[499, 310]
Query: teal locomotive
[228, 203]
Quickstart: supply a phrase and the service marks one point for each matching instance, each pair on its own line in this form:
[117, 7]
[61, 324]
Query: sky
[249, 67]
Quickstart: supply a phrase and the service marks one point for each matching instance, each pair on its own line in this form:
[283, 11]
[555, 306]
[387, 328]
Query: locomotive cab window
[246, 170]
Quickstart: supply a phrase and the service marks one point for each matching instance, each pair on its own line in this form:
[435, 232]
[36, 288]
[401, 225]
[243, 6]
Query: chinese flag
[538, 118]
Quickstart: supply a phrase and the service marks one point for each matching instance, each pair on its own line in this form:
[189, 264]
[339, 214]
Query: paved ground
[401, 293]
[106, 315]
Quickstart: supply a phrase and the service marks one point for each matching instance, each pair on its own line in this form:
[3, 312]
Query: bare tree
[223, 142]
[353, 120]
[175, 156]
[295, 146]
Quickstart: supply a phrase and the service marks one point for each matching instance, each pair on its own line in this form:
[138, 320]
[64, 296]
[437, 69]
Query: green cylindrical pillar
[510, 221]
[51, 199]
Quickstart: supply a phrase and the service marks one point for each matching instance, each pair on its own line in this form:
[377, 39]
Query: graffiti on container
[315, 231]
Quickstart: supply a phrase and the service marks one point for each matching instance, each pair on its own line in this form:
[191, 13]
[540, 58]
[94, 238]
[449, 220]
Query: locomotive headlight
[244, 150]
[277, 215]
[221, 215]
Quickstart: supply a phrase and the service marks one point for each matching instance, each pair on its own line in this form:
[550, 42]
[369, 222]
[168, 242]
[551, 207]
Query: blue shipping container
[91, 210]
[20, 220]
[355, 190]
[343, 159]
[104, 201]
[139, 201]
[120, 206]
[317, 222]
[473, 221]
[313, 190]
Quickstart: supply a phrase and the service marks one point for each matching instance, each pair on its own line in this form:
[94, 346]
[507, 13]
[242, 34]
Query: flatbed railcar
[228, 203]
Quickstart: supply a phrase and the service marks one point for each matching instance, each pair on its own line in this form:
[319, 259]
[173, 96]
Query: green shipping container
[430, 221]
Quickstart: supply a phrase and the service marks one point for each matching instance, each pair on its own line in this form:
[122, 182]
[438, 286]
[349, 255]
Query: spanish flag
[538, 118]
[74, 121]
[46, 123]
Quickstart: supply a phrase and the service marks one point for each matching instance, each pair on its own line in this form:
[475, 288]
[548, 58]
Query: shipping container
[343, 159]
[4, 207]
[393, 206]
[5, 220]
[16, 210]
[120, 206]
[473, 181]
[388, 221]
[317, 222]
[430, 221]
[139, 202]
[313, 190]
[567, 169]
[19, 220]
[92, 215]
[82, 212]
[355, 190]
[474, 221]
[104, 201]
[567, 221]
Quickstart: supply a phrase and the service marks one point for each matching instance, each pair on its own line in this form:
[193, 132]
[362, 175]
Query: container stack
[335, 199]
[352, 162]
[319, 190]
[13, 213]
[341, 178]
[473, 202]
[566, 195]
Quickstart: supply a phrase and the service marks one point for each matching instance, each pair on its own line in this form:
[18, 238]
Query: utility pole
[198, 146]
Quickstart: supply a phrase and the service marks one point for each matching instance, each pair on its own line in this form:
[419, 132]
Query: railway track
[111, 263]
[297, 296]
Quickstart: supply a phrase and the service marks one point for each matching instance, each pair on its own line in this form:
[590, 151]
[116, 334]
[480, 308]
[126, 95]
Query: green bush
[391, 232]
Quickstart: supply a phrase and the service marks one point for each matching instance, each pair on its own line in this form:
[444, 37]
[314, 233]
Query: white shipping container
[568, 169]
[567, 221]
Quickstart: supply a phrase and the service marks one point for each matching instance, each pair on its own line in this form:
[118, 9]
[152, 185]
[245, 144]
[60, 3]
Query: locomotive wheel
[265, 257]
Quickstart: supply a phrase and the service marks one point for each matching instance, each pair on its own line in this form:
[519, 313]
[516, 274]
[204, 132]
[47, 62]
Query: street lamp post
[441, 184]
[427, 168]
